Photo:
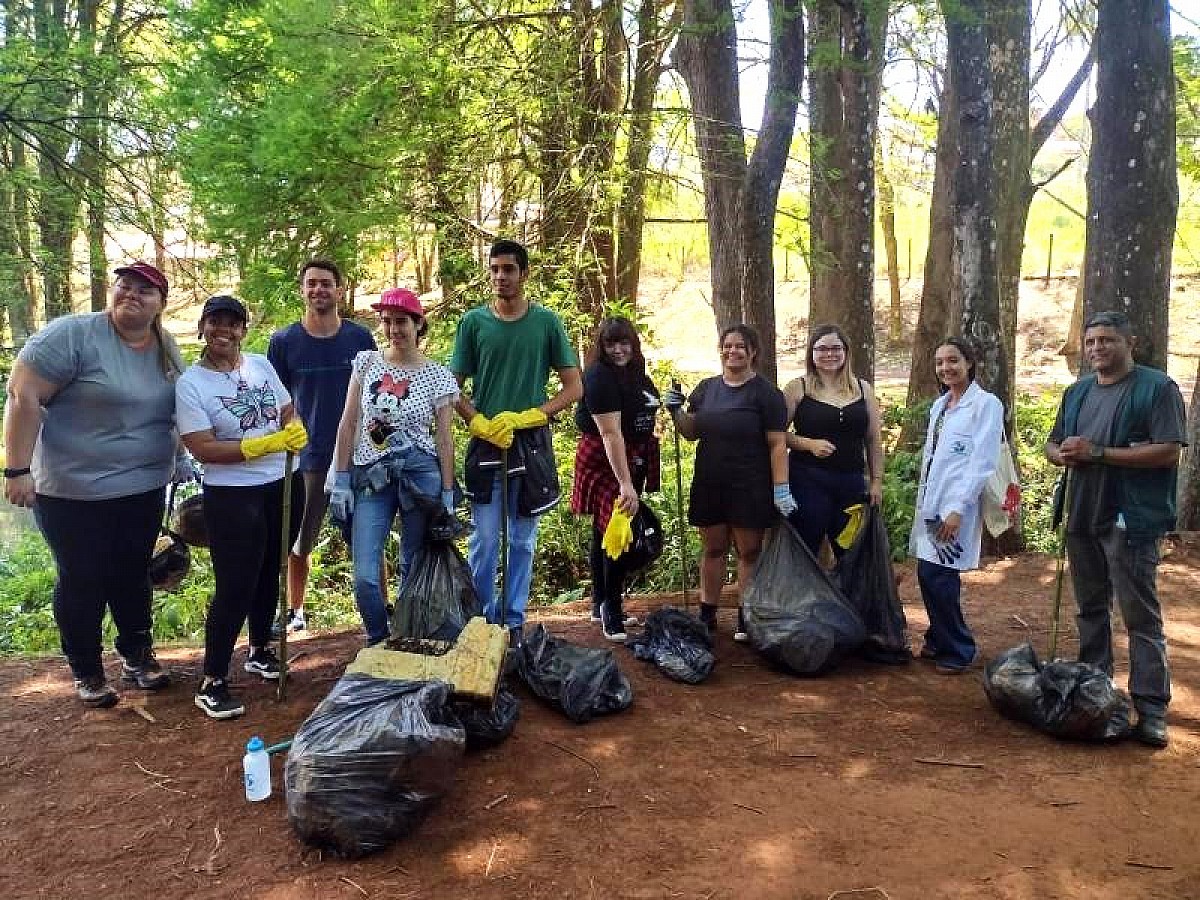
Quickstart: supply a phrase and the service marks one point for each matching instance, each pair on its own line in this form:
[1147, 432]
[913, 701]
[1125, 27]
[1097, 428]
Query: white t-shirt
[234, 405]
[397, 404]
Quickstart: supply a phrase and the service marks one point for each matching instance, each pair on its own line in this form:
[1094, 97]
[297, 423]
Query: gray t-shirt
[109, 431]
[1093, 487]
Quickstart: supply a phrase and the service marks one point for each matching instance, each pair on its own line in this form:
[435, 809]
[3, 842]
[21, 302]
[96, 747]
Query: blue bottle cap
[254, 744]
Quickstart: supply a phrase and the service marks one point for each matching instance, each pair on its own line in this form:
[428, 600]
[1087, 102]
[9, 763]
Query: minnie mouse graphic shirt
[397, 405]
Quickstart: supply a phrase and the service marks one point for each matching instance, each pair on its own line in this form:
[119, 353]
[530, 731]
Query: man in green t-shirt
[507, 350]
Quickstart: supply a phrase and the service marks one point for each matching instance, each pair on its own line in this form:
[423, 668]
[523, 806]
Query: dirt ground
[871, 782]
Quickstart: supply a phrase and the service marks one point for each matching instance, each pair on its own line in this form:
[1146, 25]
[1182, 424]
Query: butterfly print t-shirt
[234, 405]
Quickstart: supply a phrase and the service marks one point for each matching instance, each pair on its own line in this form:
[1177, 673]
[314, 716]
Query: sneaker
[739, 634]
[956, 668]
[145, 671]
[596, 616]
[216, 701]
[612, 626]
[96, 692]
[296, 620]
[263, 661]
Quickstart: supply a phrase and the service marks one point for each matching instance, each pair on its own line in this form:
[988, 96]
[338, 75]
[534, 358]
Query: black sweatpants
[102, 552]
[244, 532]
[608, 575]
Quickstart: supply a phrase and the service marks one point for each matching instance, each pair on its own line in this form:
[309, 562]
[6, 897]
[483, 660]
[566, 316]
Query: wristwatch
[1096, 453]
[14, 473]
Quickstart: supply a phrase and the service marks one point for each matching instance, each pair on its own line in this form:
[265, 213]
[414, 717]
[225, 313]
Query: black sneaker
[216, 701]
[263, 661]
[740, 634]
[96, 692]
[145, 671]
[613, 624]
[1151, 730]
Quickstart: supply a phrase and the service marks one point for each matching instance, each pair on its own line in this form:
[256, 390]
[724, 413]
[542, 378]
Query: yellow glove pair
[291, 437]
[618, 535]
[499, 429]
[857, 514]
[491, 430]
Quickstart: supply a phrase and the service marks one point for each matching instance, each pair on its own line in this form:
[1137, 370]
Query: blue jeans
[483, 555]
[948, 636]
[374, 511]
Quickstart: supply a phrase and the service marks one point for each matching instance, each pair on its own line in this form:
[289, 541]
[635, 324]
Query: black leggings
[244, 532]
[102, 552]
[608, 575]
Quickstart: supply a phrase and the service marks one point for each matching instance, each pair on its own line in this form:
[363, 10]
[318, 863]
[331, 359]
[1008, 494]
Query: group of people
[102, 414]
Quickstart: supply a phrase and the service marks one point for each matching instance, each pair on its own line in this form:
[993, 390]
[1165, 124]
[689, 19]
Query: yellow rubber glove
[254, 447]
[490, 430]
[618, 535]
[295, 435]
[530, 418]
[857, 514]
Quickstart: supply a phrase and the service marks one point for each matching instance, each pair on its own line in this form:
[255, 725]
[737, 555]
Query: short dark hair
[618, 328]
[1113, 319]
[327, 264]
[505, 247]
[966, 348]
[749, 335]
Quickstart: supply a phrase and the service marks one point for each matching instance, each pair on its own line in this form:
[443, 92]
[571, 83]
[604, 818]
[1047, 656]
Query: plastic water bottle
[257, 766]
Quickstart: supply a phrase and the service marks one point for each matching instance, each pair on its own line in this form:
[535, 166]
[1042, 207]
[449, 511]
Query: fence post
[1049, 258]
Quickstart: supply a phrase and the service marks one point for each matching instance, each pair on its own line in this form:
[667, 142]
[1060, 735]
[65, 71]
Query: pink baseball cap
[400, 299]
[146, 271]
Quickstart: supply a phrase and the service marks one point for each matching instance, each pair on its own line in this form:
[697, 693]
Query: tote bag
[1001, 502]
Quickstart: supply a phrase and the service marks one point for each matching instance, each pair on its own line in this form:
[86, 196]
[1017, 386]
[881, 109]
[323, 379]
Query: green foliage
[1186, 52]
[26, 583]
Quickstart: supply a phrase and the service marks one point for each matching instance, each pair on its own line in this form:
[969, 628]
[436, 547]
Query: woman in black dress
[617, 457]
[740, 483]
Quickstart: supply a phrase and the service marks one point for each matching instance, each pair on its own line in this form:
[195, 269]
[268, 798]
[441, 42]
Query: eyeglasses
[829, 348]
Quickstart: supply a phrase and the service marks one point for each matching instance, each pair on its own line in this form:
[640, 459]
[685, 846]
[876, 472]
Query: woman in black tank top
[835, 447]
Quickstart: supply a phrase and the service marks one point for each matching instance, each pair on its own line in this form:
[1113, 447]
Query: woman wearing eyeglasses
[835, 447]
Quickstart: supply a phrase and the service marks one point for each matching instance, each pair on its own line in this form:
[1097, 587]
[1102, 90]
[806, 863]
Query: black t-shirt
[604, 391]
[732, 423]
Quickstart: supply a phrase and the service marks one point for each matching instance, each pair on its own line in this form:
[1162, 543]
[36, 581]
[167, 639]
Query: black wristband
[15, 473]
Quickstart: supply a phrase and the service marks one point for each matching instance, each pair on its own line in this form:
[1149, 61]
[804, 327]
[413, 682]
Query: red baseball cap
[146, 271]
[401, 299]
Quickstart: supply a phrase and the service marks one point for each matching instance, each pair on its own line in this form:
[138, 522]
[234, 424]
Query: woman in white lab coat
[966, 427]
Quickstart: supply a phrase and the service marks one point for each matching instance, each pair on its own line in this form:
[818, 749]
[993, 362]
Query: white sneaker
[296, 620]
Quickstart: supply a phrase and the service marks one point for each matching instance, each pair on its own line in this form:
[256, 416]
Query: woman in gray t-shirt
[89, 432]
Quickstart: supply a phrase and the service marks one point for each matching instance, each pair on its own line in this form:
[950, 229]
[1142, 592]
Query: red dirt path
[752, 785]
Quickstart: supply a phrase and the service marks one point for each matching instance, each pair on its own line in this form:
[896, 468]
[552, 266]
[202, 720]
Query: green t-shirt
[508, 363]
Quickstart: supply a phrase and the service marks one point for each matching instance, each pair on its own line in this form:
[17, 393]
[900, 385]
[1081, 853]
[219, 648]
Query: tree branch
[1046, 125]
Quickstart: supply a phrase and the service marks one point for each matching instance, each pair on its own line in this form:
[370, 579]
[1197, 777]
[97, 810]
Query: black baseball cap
[224, 303]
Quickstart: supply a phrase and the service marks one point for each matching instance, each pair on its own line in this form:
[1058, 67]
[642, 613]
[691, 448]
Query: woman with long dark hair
[740, 481]
[617, 456]
[835, 457]
[966, 428]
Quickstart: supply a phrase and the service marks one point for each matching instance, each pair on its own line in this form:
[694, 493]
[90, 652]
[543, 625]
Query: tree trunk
[1008, 37]
[1133, 194]
[1189, 466]
[887, 221]
[933, 320]
[764, 175]
[844, 107]
[706, 56]
[975, 275]
[652, 42]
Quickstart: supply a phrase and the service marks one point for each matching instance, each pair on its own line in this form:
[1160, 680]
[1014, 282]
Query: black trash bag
[369, 764]
[677, 643]
[438, 597]
[795, 615]
[1067, 699]
[486, 726]
[864, 575]
[579, 681]
[647, 544]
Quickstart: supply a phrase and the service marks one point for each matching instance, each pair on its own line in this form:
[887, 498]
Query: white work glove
[341, 499]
